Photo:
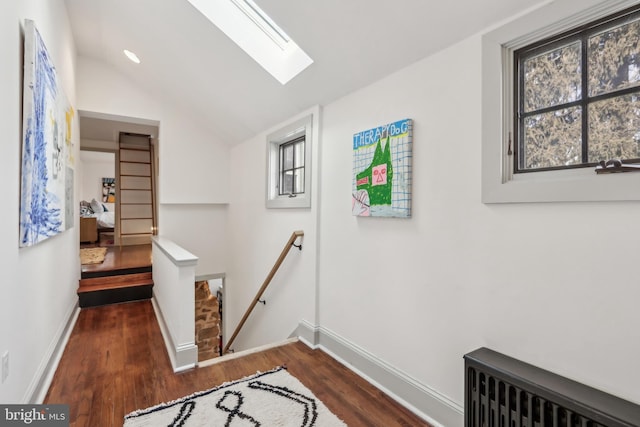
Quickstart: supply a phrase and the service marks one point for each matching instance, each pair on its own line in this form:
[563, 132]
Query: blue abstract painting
[46, 192]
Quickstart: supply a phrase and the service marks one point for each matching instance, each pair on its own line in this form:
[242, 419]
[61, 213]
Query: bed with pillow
[104, 214]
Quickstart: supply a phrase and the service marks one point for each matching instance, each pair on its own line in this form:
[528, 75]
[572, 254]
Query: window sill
[563, 186]
[578, 185]
[305, 126]
[301, 201]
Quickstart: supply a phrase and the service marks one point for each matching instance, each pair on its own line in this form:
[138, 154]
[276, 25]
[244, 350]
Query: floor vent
[504, 392]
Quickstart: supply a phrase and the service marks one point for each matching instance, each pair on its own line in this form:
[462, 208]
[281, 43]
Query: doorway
[97, 198]
[102, 133]
[123, 271]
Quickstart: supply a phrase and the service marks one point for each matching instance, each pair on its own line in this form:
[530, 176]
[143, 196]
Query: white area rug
[270, 399]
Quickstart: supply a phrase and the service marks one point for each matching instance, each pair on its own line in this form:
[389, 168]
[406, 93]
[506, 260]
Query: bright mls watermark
[34, 415]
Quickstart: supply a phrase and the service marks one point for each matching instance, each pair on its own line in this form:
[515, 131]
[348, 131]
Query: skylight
[262, 20]
[258, 35]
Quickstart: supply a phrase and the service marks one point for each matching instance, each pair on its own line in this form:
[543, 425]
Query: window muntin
[619, 43]
[291, 167]
[559, 64]
[557, 125]
[552, 139]
[612, 133]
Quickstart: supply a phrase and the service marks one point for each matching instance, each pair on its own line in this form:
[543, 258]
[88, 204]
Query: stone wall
[207, 322]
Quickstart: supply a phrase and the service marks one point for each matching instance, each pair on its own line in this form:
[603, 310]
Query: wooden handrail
[265, 284]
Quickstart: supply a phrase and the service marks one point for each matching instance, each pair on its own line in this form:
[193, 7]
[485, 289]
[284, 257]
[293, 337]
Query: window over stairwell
[288, 166]
[291, 167]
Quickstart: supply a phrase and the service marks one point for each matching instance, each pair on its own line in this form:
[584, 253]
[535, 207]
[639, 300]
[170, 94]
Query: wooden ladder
[136, 201]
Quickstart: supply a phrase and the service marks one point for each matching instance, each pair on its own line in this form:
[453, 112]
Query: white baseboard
[421, 399]
[424, 401]
[237, 354]
[182, 357]
[39, 387]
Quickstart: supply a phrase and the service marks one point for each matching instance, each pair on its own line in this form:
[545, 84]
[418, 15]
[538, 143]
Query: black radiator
[504, 392]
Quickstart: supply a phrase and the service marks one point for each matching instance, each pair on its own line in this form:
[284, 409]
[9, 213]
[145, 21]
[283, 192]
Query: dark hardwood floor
[124, 275]
[116, 362]
[120, 258]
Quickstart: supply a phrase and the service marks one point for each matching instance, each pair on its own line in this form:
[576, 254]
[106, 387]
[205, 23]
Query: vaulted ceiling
[191, 63]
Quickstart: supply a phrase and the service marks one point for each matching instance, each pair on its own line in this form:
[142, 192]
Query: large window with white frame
[288, 166]
[560, 94]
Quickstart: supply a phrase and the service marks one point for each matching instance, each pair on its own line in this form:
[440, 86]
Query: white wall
[193, 169]
[95, 166]
[540, 282]
[37, 291]
[550, 284]
[193, 163]
[201, 228]
[257, 235]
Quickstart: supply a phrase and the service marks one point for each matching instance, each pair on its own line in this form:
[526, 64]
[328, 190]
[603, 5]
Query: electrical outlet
[5, 366]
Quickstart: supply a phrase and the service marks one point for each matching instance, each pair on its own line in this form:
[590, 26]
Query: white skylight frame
[262, 20]
[261, 38]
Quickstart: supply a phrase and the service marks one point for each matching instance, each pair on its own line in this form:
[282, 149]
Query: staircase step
[115, 289]
[116, 272]
[115, 282]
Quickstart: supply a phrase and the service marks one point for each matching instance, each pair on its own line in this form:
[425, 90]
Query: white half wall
[174, 300]
[37, 291]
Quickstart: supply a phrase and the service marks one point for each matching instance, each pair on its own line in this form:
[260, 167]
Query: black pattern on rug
[185, 412]
[269, 399]
[310, 412]
[235, 411]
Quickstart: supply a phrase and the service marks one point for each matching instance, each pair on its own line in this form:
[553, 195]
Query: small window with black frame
[291, 167]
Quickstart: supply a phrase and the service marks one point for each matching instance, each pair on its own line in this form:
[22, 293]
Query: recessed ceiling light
[132, 56]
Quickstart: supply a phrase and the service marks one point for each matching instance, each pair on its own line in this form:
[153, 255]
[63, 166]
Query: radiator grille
[504, 392]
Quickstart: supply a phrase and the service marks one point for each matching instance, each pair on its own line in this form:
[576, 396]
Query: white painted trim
[212, 276]
[235, 355]
[41, 382]
[186, 357]
[182, 357]
[164, 330]
[308, 124]
[178, 255]
[308, 333]
[117, 118]
[424, 401]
